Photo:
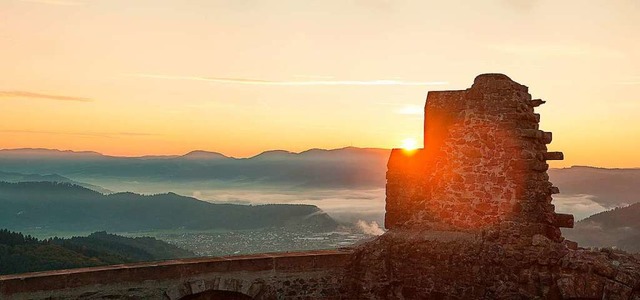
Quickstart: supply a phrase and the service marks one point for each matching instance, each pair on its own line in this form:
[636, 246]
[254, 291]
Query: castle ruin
[470, 215]
[483, 166]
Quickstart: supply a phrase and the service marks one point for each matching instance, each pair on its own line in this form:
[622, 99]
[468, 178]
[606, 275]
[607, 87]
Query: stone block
[531, 133]
[198, 286]
[556, 155]
[570, 244]
[540, 167]
[252, 264]
[294, 264]
[536, 102]
[563, 220]
[616, 291]
[547, 137]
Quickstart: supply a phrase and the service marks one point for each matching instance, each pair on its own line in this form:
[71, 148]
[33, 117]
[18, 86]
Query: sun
[409, 144]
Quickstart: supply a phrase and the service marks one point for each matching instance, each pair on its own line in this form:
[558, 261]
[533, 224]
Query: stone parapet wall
[312, 274]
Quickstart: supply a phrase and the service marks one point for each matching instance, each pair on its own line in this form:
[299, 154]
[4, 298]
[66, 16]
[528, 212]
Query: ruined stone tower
[470, 214]
[482, 169]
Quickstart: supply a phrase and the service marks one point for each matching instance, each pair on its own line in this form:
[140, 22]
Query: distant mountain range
[19, 177]
[67, 207]
[70, 207]
[608, 187]
[345, 168]
[315, 168]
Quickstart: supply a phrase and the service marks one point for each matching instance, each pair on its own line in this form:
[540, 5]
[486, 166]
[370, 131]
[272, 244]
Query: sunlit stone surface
[483, 166]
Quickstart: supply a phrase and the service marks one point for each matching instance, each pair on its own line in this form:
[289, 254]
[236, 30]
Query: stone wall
[406, 264]
[304, 275]
[482, 168]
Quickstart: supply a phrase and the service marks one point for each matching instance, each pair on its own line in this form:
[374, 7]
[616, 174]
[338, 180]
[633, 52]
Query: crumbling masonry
[470, 214]
[483, 166]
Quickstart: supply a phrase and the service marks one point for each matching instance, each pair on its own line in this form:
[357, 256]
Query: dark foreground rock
[453, 265]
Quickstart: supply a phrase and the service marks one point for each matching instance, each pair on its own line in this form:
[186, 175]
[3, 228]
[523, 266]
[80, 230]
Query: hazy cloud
[410, 110]
[343, 205]
[364, 206]
[581, 206]
[23, 94]
[520, 5]
[57, 2]
[91, 134]
[630, 81]
[314, 76]
[248, 81]
[372, 228]
[558, 50]
[135, 134]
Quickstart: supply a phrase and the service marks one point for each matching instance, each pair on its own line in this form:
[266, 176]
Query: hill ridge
[65, 206]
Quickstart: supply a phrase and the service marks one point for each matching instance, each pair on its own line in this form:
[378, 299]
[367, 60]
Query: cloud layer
[631, 81]
[89, 134]
[56, 2]
[23, 94]
[249, 81]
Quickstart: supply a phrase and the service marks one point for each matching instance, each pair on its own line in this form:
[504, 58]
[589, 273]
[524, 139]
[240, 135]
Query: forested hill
[19, 177]
[620, 217]
[68, 207]
[20, 254]
[619, 227]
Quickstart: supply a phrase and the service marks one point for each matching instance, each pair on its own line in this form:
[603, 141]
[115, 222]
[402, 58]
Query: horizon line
[168, 156]
[189, 152]
[252, 81]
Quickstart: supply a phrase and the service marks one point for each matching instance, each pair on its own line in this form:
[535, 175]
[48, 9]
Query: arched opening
[218, 295]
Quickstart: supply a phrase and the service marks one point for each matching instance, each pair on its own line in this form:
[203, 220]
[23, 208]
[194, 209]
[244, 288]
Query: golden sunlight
[409, 144]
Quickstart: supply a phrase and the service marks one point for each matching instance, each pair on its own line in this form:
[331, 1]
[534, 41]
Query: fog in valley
[344, 190]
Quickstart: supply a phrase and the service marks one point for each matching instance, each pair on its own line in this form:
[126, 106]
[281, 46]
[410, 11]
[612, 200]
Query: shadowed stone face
[482, 166]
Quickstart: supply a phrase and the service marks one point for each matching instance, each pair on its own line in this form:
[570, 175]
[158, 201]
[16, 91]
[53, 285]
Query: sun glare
[409, 144]
[410, 110]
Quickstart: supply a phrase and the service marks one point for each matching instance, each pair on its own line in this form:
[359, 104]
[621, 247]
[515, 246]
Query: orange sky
[165, 77]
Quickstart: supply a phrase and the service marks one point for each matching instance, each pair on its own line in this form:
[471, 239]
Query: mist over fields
[348, 184]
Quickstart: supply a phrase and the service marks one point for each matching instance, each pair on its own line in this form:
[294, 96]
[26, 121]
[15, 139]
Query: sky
[150, 77]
